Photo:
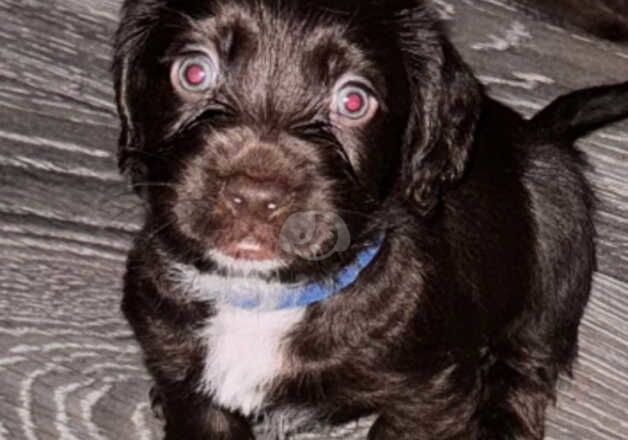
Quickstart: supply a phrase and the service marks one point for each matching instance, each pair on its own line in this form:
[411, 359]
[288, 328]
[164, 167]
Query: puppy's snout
[256, 198]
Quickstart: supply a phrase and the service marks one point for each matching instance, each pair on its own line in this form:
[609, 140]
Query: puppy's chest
[246, 351]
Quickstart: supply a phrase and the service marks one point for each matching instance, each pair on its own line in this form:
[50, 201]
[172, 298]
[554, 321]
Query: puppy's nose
[260, 198]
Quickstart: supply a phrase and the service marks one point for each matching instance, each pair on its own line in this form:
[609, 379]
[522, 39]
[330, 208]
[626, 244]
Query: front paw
[195, 420]
[202, 433]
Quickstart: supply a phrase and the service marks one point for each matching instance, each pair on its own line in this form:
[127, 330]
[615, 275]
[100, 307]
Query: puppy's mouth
[249, 249]
[247, 253]
[309, 236]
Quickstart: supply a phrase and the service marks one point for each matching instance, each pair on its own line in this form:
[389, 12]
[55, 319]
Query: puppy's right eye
[194, 74]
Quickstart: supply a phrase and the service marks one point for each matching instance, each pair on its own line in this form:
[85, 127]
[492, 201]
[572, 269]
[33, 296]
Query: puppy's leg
[518, 387]
[192, 418]
[440, 408]
[424, 425]
[386, 428]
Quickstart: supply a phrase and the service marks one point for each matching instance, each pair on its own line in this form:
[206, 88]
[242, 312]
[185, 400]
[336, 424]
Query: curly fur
[461, 326]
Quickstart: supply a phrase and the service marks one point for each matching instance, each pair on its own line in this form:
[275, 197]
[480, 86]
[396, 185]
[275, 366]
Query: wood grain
[69, 367]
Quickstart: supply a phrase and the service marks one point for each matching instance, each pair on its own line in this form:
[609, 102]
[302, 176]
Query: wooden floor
[69, 368]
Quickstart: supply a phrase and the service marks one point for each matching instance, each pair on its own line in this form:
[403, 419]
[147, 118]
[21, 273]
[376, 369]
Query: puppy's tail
[577, 114]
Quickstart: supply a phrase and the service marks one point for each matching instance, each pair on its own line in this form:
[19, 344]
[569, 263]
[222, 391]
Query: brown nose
[260, 198]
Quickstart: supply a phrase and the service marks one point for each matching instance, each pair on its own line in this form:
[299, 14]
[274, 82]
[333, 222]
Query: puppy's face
[263, 134]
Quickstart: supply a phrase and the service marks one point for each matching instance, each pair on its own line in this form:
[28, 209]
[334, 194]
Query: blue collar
[298, 296]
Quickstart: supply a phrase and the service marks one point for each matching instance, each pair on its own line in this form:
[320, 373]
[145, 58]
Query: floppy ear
[127, 140]
[446, 102]
[136, 22]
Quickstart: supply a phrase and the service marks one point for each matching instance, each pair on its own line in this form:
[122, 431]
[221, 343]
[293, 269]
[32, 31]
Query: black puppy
[340, 222]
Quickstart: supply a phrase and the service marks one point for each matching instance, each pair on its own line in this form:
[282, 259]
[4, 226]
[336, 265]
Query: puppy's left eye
[353, 104]
[194, 73]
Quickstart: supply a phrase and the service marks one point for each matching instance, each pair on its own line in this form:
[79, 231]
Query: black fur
[461, 326]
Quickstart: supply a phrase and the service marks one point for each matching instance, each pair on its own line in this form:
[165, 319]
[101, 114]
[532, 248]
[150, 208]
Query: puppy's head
[268, 133]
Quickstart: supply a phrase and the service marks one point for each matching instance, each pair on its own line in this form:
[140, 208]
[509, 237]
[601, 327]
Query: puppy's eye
[353, 104]
[194, 74]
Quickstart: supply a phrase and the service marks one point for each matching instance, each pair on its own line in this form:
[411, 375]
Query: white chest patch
[244, 354]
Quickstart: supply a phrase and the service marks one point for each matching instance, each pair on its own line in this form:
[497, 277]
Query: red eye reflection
[354, 103]
[195, 73]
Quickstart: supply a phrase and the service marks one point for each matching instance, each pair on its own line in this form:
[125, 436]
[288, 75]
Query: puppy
[340, 222]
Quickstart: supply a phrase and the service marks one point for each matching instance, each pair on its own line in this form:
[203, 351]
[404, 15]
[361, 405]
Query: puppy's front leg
[195, 418]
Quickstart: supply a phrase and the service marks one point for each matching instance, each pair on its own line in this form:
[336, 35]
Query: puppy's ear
[445, 107]
[136, 22]
[127, 141]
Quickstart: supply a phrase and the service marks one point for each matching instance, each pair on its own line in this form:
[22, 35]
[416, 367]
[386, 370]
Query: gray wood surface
[69, 367]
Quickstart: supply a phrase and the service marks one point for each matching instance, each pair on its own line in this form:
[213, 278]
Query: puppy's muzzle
[257, 199]
[257, 194]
